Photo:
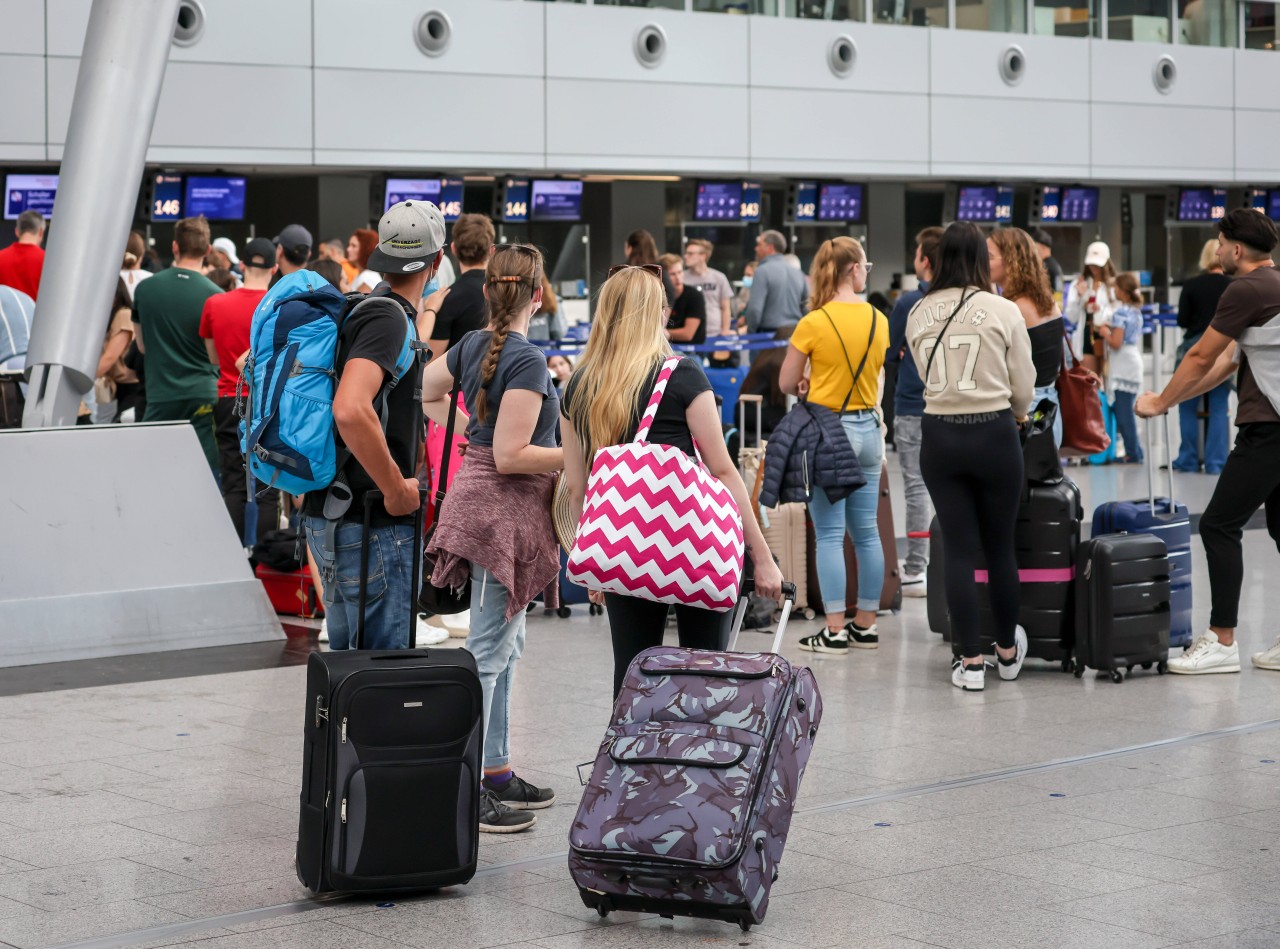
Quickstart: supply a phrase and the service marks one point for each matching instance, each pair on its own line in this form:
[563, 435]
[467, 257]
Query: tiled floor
[163, 812]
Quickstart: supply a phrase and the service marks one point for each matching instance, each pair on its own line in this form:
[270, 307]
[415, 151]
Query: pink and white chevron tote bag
[657, 525]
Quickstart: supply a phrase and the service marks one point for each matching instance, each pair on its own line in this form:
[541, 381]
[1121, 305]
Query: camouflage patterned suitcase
[690, 799]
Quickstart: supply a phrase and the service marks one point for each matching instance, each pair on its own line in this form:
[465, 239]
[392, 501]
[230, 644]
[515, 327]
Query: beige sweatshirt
[984, 363]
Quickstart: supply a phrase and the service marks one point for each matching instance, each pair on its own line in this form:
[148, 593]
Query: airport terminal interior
[153, 681]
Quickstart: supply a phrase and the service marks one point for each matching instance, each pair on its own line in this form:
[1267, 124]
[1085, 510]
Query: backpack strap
[659, 387]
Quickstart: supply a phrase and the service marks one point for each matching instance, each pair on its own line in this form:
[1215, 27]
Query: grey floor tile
[1145, 808]
[821, 918]
[904, 765]
[1106, 855]
[1267, 820]
[477, 921]
[1252, 790]
[950, 891]
[1035, 865]
[1261, 887]
[1246, 939]
[1210, 842]
[218, 789]
[73, 846]
[561, 897]
[83, 807]
[666, 934]
[58, 779]
[1033, 929]
[226, 862]
[314, 934]
[1176, 912]
[38, 930]
[868, 816]
[218, 824]
[62, 750]
[103, 881]
[196, 762]
[202, 902]
[1091, 778]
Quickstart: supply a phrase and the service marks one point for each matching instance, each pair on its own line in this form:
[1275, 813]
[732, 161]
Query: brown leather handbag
[1083, 430]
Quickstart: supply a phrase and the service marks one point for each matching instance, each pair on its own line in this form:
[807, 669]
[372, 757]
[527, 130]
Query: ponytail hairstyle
[512, 276]
[135, 247]
[831, 266]
[1128, 289]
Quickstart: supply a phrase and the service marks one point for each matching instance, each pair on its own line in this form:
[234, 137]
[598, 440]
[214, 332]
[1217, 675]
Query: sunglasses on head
[655, 269]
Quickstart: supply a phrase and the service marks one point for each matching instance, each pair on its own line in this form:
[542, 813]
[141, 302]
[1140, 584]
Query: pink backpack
[657, 525]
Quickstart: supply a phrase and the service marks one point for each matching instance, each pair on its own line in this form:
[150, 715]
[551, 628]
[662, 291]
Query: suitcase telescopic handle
[1151, 466]
[740, 612]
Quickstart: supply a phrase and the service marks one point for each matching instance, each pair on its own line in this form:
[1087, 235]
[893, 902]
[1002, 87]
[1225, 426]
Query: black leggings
[1250, 480]
[637, 624]
[975, 479]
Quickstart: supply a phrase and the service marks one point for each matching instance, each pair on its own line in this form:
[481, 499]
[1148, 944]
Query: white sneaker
[458, 624]
[1270, 659]
[324, 630]
[429, 635]
[1009, 671]
[969, 678]
[1207, 655]
[915, 585]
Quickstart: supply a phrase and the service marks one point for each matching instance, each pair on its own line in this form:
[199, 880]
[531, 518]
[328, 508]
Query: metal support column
[126, 50]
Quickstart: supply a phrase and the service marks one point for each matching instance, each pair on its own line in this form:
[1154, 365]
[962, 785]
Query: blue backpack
[287, 432]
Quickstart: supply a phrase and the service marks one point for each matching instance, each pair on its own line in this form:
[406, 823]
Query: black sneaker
[834, 644]
[863, 638]
[497, 818]
[518, 794]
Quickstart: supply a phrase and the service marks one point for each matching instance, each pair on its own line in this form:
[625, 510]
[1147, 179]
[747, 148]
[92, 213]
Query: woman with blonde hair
[1019, 272]
[842, 344]
[495, 527]
[603, 404]
[1196, 306]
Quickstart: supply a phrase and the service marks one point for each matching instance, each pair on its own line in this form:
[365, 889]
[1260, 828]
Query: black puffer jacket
[809, 449]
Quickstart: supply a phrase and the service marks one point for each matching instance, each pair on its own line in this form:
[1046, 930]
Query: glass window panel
[1207, 22]
[826, 9]
[911, 12]
[663, 4]
[1260, 26]
[1144, 21]
[1065, 18]
[766, 7]
[998, 16]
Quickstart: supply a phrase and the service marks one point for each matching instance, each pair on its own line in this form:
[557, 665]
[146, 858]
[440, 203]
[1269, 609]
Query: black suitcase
[1046, 538]
[391, 764]
[1122, 604]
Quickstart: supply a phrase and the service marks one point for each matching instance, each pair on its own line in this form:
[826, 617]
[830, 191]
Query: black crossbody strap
[938, 342]
[871, 338]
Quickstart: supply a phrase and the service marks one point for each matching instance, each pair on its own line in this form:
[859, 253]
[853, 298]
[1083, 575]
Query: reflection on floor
[161, 809]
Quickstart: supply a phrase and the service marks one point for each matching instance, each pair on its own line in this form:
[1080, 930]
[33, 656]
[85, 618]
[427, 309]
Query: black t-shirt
[377, 335]
[464, 309]
[690, 305]
[1199, 300]
[670, 426]
[521, 366]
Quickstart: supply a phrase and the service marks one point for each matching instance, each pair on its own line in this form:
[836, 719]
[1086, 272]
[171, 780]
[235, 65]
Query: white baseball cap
[228, 247]
[410, 235]
[1097, 254]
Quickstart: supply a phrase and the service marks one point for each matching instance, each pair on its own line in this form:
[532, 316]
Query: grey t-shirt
[521, 366]
[715, 289]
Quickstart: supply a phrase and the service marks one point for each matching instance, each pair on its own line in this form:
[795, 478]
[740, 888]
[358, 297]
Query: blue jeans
[1127, 425]
[1217, 442]
[857, 515]
[337, 554]
[497, 645]
[1050, 392]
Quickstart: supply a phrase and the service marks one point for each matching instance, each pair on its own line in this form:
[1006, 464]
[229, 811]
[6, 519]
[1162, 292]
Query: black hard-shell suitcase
[1122, 604]
[391, 765]
[1047, 538]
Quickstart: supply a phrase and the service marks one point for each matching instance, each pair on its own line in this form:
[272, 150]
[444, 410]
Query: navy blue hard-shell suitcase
[1171, 522]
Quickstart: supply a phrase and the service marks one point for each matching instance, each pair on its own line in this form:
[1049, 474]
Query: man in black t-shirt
[461, 308]
[687, 321]
[410, 242]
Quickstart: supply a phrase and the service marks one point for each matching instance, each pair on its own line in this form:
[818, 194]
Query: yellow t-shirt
[830, 376]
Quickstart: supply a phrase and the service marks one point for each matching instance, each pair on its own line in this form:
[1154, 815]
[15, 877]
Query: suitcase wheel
[564, 612]
[1068, 664]
[1079, 671]
[1162, 667]
[1117, 676]
[603, 911]
[1146, 665]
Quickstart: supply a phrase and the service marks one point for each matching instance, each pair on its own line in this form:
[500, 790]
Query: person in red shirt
[22, 263]
[224, 325]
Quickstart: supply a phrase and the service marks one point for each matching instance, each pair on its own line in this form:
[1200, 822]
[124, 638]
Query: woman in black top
[1196, 306]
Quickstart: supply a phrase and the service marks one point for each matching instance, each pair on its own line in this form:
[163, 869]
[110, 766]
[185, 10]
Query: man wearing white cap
[1091, 301]
[410, 242]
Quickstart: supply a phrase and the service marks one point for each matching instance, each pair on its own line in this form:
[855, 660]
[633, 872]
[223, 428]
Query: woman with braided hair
[495, 525]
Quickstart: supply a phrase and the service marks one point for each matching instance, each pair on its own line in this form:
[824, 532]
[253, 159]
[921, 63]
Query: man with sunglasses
[778, 292]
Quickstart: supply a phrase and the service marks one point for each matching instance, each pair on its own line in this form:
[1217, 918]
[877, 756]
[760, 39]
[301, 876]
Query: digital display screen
[1050, 204]
[718, 201]
[29, 193]
[806, 201]
[515, 200]
[1258, 200]
[1079, 204]
[1004, 205]
[166, 198]
[451, 198]
[977, 204]
[1273, 205]
[411, 189]
[218, 199]
[1202, 204]
[557, 201]
[840, 202]
[752, 196]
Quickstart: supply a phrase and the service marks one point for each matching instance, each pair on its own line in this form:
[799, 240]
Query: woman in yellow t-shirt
[843, 343]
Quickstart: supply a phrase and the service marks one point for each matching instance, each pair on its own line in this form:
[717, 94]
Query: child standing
[1123, 334]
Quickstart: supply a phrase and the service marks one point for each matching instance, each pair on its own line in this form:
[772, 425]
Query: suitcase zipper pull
[344, 810]
[344, 731]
